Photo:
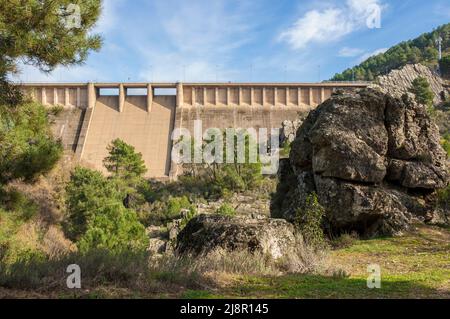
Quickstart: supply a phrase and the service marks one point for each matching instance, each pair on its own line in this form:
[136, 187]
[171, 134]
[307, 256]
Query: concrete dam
[145, 114]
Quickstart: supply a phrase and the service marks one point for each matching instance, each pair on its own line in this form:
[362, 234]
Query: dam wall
[145, 114]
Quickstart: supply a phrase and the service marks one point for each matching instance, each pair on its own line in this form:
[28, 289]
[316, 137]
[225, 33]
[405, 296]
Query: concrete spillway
[147, 121]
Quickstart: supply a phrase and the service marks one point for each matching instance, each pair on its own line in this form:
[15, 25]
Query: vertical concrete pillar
[299, 96]
[122, 94]
[287, 96]
[252, 92]
[55, 96]
[204, 96]
[78, 98]
[193, 96]
[92, 95]
[44, 96]
[149, 97]
[263, 96]
[310, 102]
[228, 96]
[216, 96]
[66, 97]
[239, 95]
[322, 95]
[180, 96]
[275, 97]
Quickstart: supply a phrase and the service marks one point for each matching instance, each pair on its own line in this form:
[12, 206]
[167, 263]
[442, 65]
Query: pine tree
[123, 162]
[38, 32]
[422, 91]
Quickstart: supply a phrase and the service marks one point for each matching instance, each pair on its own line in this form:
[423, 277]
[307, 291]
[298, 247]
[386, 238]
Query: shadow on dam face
[145, 114]
[148, 131]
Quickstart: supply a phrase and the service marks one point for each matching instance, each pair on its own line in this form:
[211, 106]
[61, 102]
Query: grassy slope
[414, 266]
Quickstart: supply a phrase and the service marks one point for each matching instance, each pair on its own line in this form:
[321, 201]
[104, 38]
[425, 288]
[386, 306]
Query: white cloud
[109, 16]
[347, 52]
[329, 24]
[365, 56]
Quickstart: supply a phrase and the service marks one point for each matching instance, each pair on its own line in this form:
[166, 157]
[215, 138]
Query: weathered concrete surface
[147, 121]
[148, 132]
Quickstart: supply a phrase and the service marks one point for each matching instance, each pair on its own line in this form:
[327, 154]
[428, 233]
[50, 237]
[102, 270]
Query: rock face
[397, 82]
[205, 233]
[372, 160]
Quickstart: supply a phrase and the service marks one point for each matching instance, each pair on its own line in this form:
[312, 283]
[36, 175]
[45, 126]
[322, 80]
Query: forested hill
[420, 50]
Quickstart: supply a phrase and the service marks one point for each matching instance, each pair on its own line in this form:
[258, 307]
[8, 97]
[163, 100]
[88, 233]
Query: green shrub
[116, 229]
[187, 216]
[28, 147]
[422, 91]
[17, 203]
[220, 179]
[166, 209]
[445, 142]
[97, 217]
[285, 149]
[226, 210]
[443, 198]
[309, 221]
[87, 192]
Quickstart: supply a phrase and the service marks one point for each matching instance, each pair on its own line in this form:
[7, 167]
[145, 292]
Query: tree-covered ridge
[420, 50]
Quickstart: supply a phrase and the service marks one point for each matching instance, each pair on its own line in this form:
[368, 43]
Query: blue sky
[242, 40]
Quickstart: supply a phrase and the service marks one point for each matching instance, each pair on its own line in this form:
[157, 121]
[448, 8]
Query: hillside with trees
[422, 50]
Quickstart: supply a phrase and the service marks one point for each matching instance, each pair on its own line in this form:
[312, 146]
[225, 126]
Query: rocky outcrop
[372, 160]
[398, 82]
[206, 233]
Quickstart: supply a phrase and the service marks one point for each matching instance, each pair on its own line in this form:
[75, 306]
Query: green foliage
[187, 216]
[220, 179]
[420, 50]
[87, 192]
[96, 215]
[34, 31]
[115, 228]
[443, 200]
[422, 91]
[123, 162]
[17, 203]
[28, 148]
[167, 209]
[226, 210]
[445, 142]
[309, 221]
[285, 149]
[444, 66]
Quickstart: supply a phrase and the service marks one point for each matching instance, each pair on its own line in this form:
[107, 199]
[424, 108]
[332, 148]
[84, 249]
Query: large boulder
[372, 159]
[206, 233]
